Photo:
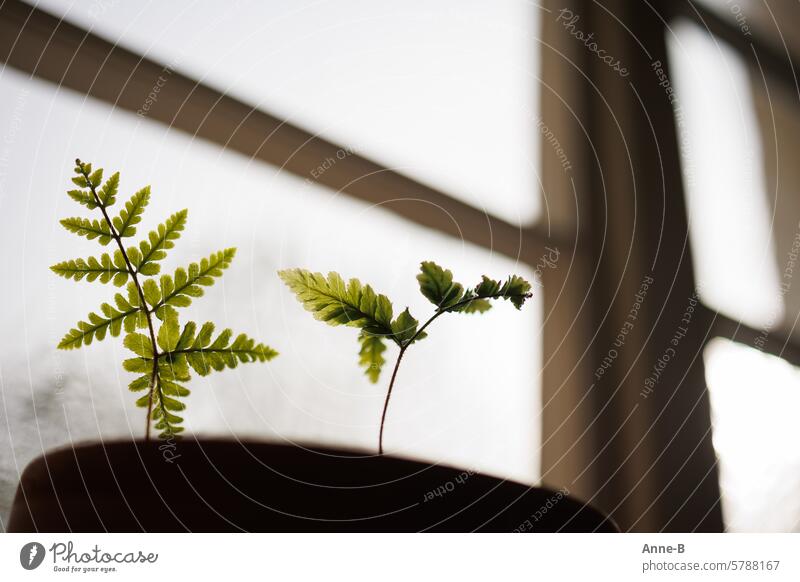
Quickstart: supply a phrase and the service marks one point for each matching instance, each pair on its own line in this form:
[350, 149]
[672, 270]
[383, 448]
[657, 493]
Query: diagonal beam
[776, 342]
[778, 64]
[46, 47]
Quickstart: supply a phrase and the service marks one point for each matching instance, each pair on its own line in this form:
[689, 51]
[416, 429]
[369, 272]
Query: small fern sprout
[353, 304]
[166, 351]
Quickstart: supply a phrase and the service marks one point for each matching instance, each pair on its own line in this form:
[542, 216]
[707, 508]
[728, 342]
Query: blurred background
[635, 160]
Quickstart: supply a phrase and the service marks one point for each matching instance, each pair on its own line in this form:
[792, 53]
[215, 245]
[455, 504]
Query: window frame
[758, 55]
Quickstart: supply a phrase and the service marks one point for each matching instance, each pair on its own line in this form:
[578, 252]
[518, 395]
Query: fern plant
[354, 304]
[166, 352]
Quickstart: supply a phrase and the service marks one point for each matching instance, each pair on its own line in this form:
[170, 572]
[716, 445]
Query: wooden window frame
[760, 57]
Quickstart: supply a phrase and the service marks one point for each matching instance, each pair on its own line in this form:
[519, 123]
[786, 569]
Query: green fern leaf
[203, 338]
[178, 290]
[487, 287]
[143, 401]
[139, 344]
[95, 178]
[370, 357]
[103, 269]
[173, 367]
[204, 356]
[85, 332]
[404, 328]
[140, 383]
[132, 213]
[108, 193]
[139, 365]
[187, 337]
[169, 333]
[97, 326]
[152, 292]
[515, 289]
[164, 404]
[172, 404]
[336, 303]
[167, 422]
[91, 229]
[475, 305]
[127, 314]
[83, 197]
[158, 242]
[437, 285]
[170, 388]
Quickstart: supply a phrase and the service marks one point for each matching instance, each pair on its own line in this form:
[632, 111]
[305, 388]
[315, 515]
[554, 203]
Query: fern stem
[148, 315]
[388, 396]
[405, 346]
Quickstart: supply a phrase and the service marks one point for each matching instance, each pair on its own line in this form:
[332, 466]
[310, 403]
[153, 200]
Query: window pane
[778, 114]
[754, 401]
[468, 395]
[773, 23]
[730, 214]
[443, 91]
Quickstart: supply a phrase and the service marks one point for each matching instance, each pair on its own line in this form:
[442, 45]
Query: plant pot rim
[257, 485]
[329, 451]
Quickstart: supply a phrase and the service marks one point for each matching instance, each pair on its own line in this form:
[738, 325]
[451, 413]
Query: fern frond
[140, 383]
[169, 333]
[161, 360]
[515, 289]
[437, 285]
[335, 302]
[139, 344]
[370, 356]
[97, 326]
[179, 289]
[85, 177]
[203, 355]
[338, 303]
[404, 329]
[103, 269]
[471, 303]
[158, 242]
[82, 172]
[132, 213]
[166, 422]
[163, 403]
[91, 229]
[84, 332]
[108, 193]
[162, 390]
[84, 198]
[127, 315]
[95, 178]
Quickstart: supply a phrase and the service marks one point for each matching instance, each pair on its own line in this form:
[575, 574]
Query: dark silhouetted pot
[222, 485]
